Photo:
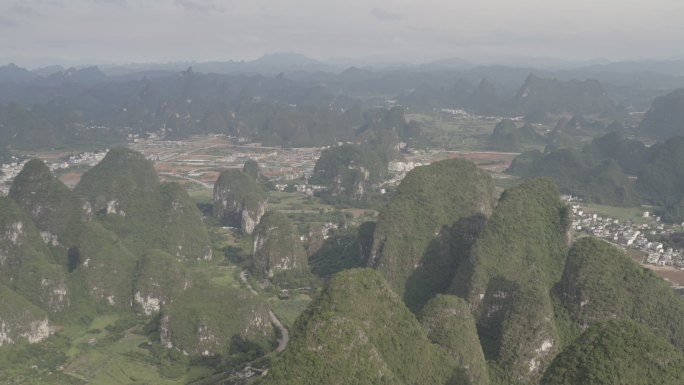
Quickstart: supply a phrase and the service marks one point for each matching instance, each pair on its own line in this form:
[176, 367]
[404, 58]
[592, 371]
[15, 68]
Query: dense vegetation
[348, 171]
[210, 320]
[666, 116]
[358, 331]
[514, 263]
[119, 243]
[124, 192]
[552, 95]
[601, 172]
[277, 247]
[600, 182]
[343, 249]
[450, 324]
[507, 136]
[617, 352]
[428, 201]
[239, 200]
[465, 291]
[600, 282]
[54, 208]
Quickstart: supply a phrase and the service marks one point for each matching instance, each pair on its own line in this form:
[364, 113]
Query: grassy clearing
[80, 335]
[125, 362]
[456, 133]
[295, 201]
[288, 310]
[620, 213]
[201, 194]
[226, 276]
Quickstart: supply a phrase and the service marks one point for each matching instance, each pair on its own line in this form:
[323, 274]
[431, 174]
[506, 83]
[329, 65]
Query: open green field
[289, 309]
[126, 361]
[634, 213]
[81, 335]
[295, 202]
[455, 133]
[201, 194]
[225, 276]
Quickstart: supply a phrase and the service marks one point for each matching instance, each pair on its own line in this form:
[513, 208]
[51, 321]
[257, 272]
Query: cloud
[23, 9]
[6, 22]
[384, 14]
[199, 6]
[120, 3]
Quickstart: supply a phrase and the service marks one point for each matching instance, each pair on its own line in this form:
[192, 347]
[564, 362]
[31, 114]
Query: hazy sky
[34, 32]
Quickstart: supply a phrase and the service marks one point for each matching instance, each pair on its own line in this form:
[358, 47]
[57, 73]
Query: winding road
[284, 333]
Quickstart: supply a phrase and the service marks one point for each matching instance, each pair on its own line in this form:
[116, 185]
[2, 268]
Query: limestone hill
[428, 201]
[617, 352]
[125, 194]
[512, 267]
[277, 248]
[600, 283]
[358, 331]
[349, 171]
[239, 200]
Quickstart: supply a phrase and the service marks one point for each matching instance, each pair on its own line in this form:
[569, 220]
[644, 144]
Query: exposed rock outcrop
[348, 171]
[20, 320]
[55, 210]
[277, 247]
[25, 262]
[124, 192]
[159, 279]
[239, 200]
[508, 277]
[208, 320]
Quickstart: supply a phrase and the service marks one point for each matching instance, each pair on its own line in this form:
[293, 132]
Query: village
[629, 234]
[77, 160]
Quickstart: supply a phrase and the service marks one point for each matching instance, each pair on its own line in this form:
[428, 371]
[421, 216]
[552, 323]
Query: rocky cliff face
[277, 247]
[20, 320]
[25, 262]
[239, 200]
[159, 279]
[348, 171]
[57, 212]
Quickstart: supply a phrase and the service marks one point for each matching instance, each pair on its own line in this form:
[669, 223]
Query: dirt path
[284, 333]
[243, 278]
[203, 184]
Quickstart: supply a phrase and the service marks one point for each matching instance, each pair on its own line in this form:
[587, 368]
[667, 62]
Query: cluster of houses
[80, 159]
[205, 153]
[8, 172]
[308, 189]
[629, 234]
[11, 169]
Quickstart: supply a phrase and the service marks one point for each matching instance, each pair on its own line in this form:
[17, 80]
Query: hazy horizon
[34, 33]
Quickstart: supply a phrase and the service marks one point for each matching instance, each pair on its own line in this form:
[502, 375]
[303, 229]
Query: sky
[41, 32]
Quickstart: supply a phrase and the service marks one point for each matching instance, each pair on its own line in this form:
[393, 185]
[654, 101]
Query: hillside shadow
[442, 258]
[493, 311]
